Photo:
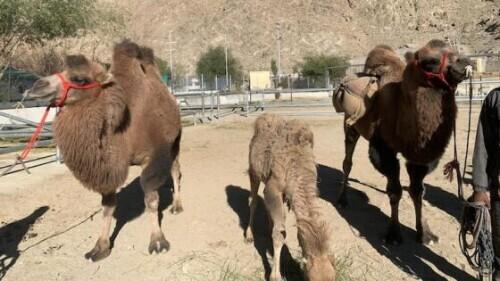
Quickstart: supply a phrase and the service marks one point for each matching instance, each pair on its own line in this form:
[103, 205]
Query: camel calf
[281, 156]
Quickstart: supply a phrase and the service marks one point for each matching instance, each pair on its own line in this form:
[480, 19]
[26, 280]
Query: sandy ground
[48, 220]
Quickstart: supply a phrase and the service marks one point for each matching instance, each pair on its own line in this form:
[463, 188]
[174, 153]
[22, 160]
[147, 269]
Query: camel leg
[351, 139]
[176, 179]
[254, 191]
[385, 161]
[152, 178]
[417, 190]
[102, 248]
[276, 209]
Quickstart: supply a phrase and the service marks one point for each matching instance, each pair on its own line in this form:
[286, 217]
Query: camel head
[80, 80]
[320, 268]
[441, 65]
[315, 240]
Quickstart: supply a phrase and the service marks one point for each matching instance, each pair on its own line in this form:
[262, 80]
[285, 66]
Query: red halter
[68, 85]
[430, 76]
[65, 87]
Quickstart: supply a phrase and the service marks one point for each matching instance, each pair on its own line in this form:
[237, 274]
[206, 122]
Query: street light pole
[279, 37]
[171, 59]
[225, 53]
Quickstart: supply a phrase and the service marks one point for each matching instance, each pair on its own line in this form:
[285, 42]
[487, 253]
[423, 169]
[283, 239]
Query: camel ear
[410, 56]
[105, 78]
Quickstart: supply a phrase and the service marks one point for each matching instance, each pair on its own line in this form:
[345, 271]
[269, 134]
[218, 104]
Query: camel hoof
[176, 208]
[394, 236]
[158, 243]
[101, 250]
[427, 238]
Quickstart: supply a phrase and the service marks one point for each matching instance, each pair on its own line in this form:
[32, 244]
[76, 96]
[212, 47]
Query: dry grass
[212, 266]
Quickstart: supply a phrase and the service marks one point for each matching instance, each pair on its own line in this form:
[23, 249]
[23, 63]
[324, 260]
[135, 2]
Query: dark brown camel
[415, 117]
[130, 118]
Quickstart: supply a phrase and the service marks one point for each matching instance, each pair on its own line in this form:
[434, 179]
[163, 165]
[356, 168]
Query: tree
[317, 66]
[213, 63]
[164, 68]
[35, 22]
[274, 67]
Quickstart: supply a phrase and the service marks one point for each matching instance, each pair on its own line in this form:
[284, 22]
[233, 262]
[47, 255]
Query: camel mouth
[43, 88]
[457, 74]
[32, 94]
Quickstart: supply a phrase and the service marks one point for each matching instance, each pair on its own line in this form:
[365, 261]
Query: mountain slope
[346, 27]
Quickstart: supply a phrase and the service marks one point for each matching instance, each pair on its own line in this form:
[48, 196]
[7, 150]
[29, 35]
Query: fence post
[218, 103]
[247, 101]
[263, 100]
[59, 156]
[202, 104]
[211, 104]
[481, 85]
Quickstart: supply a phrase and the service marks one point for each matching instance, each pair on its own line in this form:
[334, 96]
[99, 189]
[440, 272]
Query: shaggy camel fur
[281, 156]
[130, 119]
[384, 63]
[415, 117]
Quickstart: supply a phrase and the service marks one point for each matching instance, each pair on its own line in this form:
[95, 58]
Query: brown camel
[281, 156]
[383, 63]
[415, 117]
[127, 118]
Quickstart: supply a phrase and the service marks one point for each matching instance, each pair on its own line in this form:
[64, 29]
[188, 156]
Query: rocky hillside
[347, 27]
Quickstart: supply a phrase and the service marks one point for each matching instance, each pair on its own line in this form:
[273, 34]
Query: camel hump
[146, 55]
[385, 47]
[127, 48]
[379, 58]
[354, 97]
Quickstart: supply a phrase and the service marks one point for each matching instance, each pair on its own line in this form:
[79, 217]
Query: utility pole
[278, 41]
[225, 51]
[225, 48]
[171, 49]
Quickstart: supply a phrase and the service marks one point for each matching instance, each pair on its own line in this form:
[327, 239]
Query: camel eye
[80, 80]
[430, 64]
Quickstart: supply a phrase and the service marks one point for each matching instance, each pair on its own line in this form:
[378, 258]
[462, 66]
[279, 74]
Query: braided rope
[476, 223]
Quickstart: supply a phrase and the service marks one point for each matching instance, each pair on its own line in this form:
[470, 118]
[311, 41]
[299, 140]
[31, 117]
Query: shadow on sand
[371, 224]
[130, 204]
[11, 236]
[238, 199]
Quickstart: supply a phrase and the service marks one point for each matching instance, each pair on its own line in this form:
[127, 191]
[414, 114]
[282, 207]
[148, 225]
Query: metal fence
[201, 106]
[205, 106]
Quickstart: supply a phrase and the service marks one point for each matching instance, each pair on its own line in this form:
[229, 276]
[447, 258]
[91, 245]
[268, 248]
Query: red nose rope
[430, 76]
[66, 86]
